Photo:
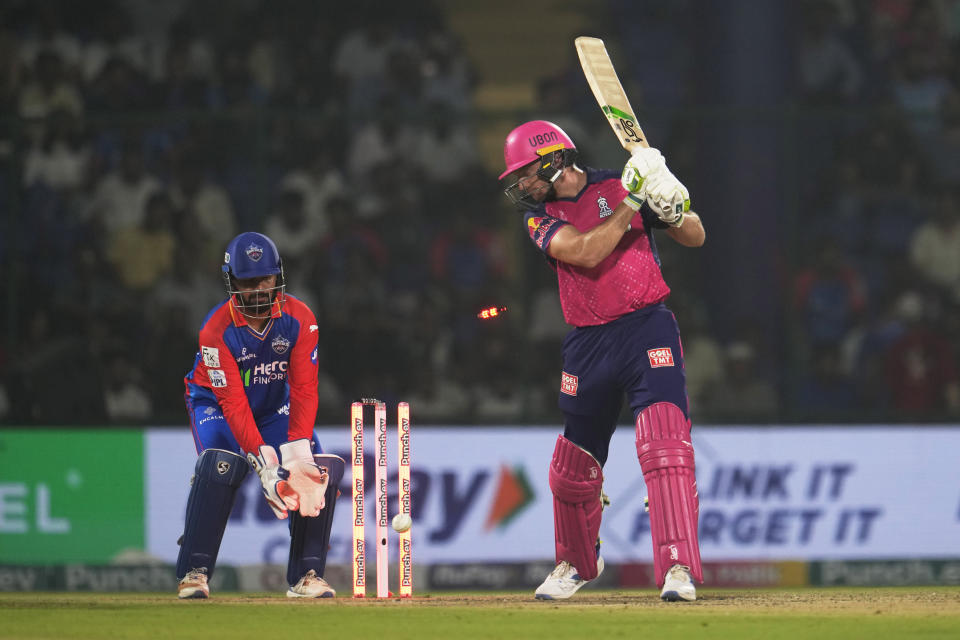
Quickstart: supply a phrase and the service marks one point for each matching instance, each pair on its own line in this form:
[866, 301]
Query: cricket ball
[401, 522]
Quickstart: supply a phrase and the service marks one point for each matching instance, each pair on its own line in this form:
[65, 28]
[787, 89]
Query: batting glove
[273, 478]
[307, 481]
[644, 163]
[667, 197]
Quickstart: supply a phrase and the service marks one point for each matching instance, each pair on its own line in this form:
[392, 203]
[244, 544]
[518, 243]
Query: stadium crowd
[142, 136]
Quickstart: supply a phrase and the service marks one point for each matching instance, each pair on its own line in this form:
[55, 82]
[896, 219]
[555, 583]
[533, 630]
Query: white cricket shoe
[311, 586]
[678, 585]
[563, 581]
[194, 584]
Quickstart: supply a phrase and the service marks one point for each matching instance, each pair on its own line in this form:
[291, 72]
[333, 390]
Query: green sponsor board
[70, 495]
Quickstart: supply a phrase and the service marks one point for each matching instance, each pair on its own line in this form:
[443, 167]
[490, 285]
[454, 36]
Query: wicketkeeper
[251, 393]
[596, 229]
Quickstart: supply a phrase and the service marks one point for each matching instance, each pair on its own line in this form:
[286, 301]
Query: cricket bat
[606, 87]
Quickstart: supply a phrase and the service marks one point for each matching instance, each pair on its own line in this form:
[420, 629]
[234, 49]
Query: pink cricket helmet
[530, 141]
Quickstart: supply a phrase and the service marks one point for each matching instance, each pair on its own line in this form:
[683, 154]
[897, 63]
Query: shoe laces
[560, 569]
[679, 571]
[196, 574]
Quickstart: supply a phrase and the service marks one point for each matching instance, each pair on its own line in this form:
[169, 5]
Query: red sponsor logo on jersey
[660, 357]
[538, 228]
[568, 384]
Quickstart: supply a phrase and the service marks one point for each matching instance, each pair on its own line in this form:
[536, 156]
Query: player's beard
[257, 304]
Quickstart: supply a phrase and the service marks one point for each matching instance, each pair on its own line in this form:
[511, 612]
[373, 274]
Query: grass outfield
[917, 612]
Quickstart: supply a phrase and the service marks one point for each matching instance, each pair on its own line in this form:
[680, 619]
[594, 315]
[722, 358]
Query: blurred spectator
[829, 296]
[236, 86]
[116, 44]
[935, 246]
[920, 368]
[291, 228]
[360, 63]
[436, 397]
[118, 88]
[124, 396]
[826, 391]
[829, 72]
[741, 394]
[465, 254]
[703, 359]
[205, 203]
[186, 292]
[45, 31]
[49, 89]
[317, 182]
[445, 148]
[142, 255]
[448, 77]
[120, 197]
[379, 146]
[919, 88]
[184, 85]
[61, 160]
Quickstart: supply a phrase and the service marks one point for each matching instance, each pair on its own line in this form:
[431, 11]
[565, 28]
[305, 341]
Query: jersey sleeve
[541, 227]
[218, 371]
[302, 376]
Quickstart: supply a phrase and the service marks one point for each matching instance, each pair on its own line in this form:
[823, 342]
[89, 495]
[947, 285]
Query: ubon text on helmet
[536, 141]
[253, 255]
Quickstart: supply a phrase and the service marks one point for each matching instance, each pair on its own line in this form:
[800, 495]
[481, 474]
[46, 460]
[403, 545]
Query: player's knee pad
[217, 476]
[576, 480]
[310, 537]
[666, 459]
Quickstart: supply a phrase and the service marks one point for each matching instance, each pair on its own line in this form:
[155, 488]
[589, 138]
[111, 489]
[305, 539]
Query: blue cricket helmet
[253, 255]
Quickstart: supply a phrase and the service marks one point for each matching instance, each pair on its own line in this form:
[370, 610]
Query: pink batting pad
[576, 479]
[666, 458]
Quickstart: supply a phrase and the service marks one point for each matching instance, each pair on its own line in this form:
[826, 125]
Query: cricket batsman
[251, 393]
[595, 228]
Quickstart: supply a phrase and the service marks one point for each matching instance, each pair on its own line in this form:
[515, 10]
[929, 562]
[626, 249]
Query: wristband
[633, 202]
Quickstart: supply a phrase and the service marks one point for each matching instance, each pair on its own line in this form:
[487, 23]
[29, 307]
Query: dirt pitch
[822, 614]
[876, 601]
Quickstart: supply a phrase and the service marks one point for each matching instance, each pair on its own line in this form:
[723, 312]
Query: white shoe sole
[293, 594]
[676, 596]
[547, 596]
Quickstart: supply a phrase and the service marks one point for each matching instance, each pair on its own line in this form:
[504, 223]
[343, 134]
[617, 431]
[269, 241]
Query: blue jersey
[252, 377]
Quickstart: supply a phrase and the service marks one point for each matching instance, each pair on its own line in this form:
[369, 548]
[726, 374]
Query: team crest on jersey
[254, 252]
[605, 209]
[280, 344]
[568, 384]
[660, 357]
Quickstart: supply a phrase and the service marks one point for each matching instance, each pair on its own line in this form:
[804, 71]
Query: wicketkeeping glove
[307, 480]
[274, 478]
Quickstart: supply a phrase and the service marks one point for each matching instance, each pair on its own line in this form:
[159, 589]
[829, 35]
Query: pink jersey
[628, 279]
